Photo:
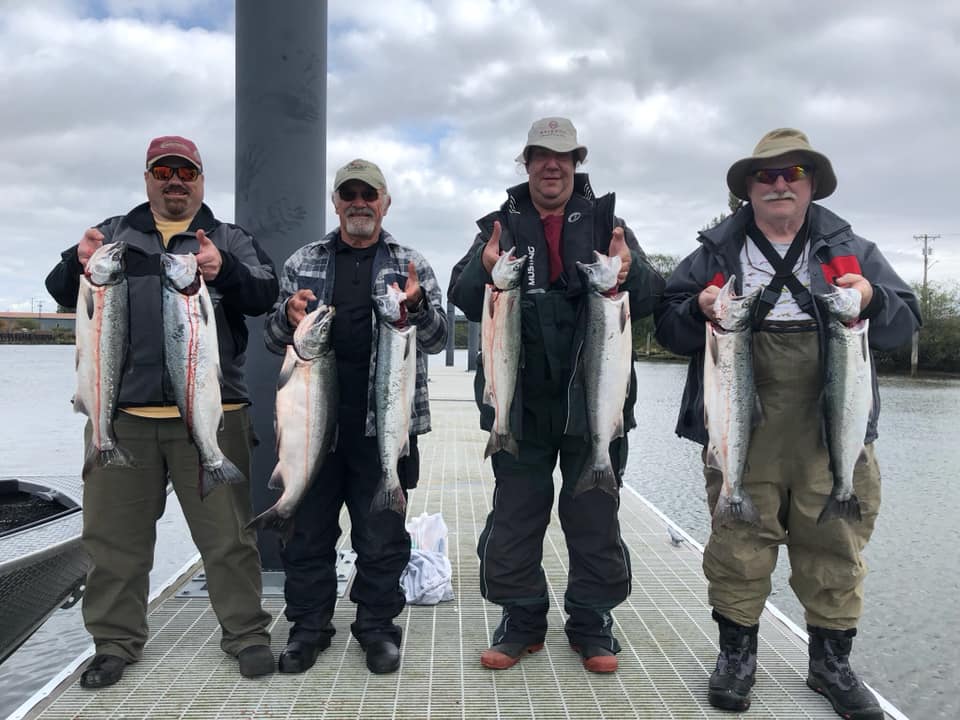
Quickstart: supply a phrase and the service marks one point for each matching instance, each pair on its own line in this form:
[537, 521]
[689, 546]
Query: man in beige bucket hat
[555, 221]
[791, 252]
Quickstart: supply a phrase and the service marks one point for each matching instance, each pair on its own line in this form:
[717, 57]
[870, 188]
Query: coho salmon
[730, 403]
[847, 397]
[102, 329]
[395, 384]
[192, 360]
[607, 357]
[500, 348]
[306, 417]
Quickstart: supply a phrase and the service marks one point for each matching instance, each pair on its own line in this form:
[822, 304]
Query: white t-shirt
[758, 272]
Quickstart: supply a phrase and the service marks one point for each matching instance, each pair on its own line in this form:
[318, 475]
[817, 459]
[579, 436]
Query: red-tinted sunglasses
[768, 176]
[164, 173]
[368, 194]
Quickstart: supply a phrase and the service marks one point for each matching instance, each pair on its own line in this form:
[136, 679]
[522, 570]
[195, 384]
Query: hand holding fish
[706, 299]
[90, 242]
[618, 246]
[412, 290]
[297, 305]
[491, 252]
[858, 282]
[209, 259]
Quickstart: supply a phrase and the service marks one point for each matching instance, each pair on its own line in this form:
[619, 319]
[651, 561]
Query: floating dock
[668, 638]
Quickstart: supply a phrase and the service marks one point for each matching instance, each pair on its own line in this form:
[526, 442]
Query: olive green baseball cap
[362, 170]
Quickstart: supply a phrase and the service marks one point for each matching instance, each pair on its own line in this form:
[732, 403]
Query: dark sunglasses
[164, 173]
[368, 194]
[768, 176]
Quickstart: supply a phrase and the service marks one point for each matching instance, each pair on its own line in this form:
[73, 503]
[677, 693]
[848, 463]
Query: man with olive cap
[555, 220]
[347, 269]
[790, 249]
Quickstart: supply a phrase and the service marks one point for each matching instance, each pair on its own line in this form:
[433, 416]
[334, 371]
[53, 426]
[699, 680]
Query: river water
[908, 647]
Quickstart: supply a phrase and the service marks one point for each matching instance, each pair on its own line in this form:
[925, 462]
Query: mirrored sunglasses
[164, 173]
[368, 194]
[768, 176]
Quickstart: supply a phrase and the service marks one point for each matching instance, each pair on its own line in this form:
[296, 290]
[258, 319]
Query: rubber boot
[831, 675]
[736, 669]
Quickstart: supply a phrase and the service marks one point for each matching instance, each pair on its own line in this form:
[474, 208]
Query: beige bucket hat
[774, 144]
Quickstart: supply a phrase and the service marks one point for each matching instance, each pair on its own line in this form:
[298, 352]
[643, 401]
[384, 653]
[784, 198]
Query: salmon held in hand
[500, 349]
[306, 417]
[730, 403]
[394, 384]
[102, 329]
[192, 361]
[607, 357]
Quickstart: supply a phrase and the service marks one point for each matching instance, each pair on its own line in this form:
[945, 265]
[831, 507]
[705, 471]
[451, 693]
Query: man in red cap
[122, 504]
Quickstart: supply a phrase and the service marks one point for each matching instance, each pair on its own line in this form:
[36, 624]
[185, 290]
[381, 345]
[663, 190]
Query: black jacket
[246, 285]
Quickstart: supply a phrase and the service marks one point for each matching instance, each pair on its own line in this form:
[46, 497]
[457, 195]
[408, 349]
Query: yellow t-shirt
[167, 229]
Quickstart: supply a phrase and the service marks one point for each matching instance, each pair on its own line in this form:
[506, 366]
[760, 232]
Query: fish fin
[204, 315]
[727, 511]
[597, 473]
[286, 372]
[271, 519]
[494, 445]
[618, 428]
[388, 499]
[713, 459]
[335, 438]
[88, 301]
[862, 457]
[410, 345]
[78, 405]
[276, 479]
[490, 305]
[624, 316]
[757, 416]
[76, 359]
[226, 474]
[864, 343]
[102, 457]
[405, 448]
[848, 509]
[712, 347]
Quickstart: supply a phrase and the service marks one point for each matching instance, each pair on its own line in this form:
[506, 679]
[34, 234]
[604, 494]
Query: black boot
[831, 675]
[736, 669]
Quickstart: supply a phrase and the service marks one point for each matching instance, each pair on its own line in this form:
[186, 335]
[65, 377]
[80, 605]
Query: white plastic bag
[427, 579]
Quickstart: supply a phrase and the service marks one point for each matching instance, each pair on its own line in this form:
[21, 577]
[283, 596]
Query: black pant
[350, 475]
[511, 544]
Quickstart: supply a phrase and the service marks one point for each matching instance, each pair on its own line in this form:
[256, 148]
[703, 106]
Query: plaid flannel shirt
[308, 268]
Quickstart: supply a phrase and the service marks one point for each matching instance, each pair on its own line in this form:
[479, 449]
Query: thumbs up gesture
[618, 246]
[209, 259]
[491, 251]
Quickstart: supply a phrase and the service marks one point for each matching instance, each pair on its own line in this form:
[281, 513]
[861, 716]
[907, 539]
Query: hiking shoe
[736, 668]
[104, 670]
[831, 675]
[256, 660]
[504, 655]
[596, 659]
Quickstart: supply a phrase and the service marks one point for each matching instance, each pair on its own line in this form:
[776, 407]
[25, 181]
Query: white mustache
[366, 212]
[785, 195]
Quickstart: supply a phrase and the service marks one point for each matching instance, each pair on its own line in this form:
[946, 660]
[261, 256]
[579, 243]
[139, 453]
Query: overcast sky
[666, 94]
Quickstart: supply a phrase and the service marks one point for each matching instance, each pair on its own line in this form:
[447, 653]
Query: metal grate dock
[668, 638]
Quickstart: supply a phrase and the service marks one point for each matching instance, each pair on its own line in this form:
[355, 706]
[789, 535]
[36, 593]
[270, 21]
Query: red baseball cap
[175, 146]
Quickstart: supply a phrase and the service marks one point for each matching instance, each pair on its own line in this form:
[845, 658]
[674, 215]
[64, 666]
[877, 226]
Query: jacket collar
[825, 227]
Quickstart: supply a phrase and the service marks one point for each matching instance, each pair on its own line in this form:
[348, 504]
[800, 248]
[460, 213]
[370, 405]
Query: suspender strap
[783, 274]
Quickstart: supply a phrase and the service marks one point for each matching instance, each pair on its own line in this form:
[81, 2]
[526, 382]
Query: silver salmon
[306, 418]
[607, 357]
[500, 349]
[192, 360]
[847, 397]
[102, 328]
[395, 384]
[730, 403]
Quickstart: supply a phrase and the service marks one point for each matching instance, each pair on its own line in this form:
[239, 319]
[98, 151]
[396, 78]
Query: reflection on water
[909, 643]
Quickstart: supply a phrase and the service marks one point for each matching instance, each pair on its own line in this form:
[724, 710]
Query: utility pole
[927, 252]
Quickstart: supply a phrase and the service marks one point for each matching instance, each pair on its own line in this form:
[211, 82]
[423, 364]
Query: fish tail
[498, 442]
[728, 511]
[384, 499]
[226, 474]
[271, 519]
[597, 475]
[102, 457]
[848, 509]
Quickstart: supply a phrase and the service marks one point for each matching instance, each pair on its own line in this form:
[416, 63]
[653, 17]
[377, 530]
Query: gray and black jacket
[312, 266]
[894, 312]
[246, 285]
[553, 321]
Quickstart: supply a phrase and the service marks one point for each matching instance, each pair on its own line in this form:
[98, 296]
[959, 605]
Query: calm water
[909, 642]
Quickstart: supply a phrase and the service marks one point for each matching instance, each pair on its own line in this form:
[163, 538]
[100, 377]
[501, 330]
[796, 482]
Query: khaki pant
[788, 478]
[121, 507]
